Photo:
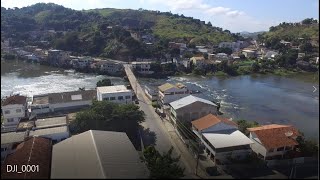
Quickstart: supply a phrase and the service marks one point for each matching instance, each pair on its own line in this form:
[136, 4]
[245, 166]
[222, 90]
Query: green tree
[243, 125]
[307, 147]
[162, 166]
[255, 67]
[104, 82]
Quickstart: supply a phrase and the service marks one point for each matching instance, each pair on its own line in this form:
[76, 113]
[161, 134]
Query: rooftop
[167, 86]
[12, 137]
[51, 122]
[34, 151]
[228, 138]
[210, 120]
[113, 89]
[63, 97]
[16, 99]
[189, 100]
[275, 135]
[97, 154]
[47, 131]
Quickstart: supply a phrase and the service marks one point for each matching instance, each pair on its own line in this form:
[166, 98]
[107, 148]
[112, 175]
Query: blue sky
[234, 15]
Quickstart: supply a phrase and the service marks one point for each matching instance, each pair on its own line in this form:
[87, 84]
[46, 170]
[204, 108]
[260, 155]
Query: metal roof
[12, 137]
[113, 89]
[48, 131]
[97, 154]
[189, 100]
[227, 138]
[51, 122]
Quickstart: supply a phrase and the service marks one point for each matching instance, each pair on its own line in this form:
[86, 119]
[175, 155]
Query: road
[164, 140]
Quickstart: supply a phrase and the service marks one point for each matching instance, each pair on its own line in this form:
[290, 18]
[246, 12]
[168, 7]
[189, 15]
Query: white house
[117, 94]
[169, 92]
[13, 109]
[271, 54]
[274, 140]
[248, 53]
[63, 101]
[198, 61]
[142, 67]
[56, 134]
[110, 67]
[221, 137]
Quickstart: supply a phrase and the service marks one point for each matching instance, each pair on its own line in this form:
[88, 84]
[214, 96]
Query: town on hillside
[132, 131]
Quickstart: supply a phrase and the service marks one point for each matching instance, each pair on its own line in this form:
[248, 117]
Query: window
[10, 119]
[7, 112]
[112, 98]
[3, 149]
[280, 149]
[120, 97]
[128, 97]
[106, 99]
[18, 110]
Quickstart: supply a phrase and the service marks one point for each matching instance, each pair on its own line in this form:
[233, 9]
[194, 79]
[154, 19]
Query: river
[262, 98]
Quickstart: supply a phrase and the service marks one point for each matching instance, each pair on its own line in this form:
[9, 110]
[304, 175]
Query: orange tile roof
[274, 135]
[16, 99]
[210, 120]
[33, 151]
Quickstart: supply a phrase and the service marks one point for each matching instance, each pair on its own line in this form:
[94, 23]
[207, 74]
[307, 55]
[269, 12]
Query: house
[56, 134]
[97, 155]
[169, 92]
[32, 57]
[151, 93]
[221, 137]
[110, 67]
[34, 151]
[274, 140]
[190, 108]
[249, 53]
[142, 67]
[9, 141]
[64, 101]
[271, 54]
[118, 94]
[57, 57]
[198, 61]
[13, 109]
[286, 43]
[221, 57]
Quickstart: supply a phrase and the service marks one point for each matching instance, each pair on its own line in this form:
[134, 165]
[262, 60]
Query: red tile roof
[33, 151]
[210, 120]
[15, 100]
[274, 135]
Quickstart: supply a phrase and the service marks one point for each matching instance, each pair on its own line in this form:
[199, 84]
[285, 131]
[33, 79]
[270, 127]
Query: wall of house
[40, 109]
[69, 105]
[102, 96]
[257, 147]
[237, 154]
[13, 117]
[195, 111]
[168, 98]
[8, 148]
[56, 136]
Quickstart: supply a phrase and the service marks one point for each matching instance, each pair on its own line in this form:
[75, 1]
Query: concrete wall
[69, 105]
[102, 96]
[257, 147]
[168, 98]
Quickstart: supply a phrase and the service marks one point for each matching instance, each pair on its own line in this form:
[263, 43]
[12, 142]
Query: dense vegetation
[162, 166]
[243, 125]
[104, 82]
[106, 32]
[108, 116]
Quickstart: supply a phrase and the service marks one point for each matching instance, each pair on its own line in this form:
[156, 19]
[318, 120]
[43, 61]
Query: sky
[234, 15]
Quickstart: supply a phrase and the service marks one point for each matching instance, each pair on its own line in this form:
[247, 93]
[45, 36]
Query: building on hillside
[151, 93]
[198, 62]
[169, 92]
[111, 67]
[104, 154]
[57, 57]
[14, 108]
[249, 53]
[118, 94]
[221, 137]
[34, 151]
[274, 140]
[271, 55]
[190, 108]
[142, 67]
[62, 102]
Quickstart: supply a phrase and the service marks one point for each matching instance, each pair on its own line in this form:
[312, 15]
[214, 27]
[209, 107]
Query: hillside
[308, 30]
[88, 31]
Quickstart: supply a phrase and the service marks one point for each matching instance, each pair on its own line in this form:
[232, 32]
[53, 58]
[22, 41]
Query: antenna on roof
[289, 133]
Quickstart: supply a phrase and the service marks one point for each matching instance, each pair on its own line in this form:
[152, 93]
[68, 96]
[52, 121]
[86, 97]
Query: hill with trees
[106, 32]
